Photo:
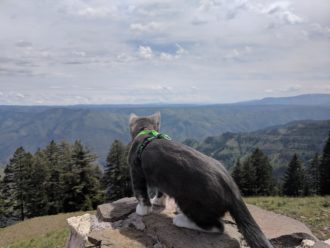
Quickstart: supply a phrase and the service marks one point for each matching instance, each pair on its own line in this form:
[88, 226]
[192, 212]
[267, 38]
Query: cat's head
[139, 123]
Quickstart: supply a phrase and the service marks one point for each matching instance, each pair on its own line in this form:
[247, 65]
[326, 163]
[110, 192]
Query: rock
[320, 244]
[327, 241]
[161, 228]
[117, 225]
[80, 227]
[120, 238]
[291, 240]
[307, 243]
[275, 225]
[116, 210]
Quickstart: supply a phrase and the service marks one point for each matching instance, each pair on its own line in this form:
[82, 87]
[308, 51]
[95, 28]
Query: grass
[55, 239]
[40, 232]
[313, 211]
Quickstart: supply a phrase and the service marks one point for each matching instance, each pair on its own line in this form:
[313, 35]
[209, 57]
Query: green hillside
[98, 126]
[279, 143]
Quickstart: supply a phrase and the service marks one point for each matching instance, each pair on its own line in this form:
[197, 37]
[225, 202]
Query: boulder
[117, 210]
[116, 225]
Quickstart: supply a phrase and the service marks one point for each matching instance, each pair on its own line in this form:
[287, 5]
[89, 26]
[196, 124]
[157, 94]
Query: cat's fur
[200, 185]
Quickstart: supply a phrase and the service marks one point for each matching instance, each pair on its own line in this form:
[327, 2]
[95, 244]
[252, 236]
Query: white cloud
[166, 56]
[291, 88]
[148, 27]
[145, 52]
[281, 10]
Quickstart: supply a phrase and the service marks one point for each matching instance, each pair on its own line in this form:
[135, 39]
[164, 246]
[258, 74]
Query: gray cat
[200, 185]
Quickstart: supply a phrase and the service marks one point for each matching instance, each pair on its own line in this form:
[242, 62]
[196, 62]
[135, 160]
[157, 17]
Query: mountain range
[98, 125]
[279, 143]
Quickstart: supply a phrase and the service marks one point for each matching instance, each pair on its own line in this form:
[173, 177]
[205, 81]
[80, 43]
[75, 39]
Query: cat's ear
[156, 120]
[132, 118]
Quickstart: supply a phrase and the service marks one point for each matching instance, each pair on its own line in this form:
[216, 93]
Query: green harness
[151, 135]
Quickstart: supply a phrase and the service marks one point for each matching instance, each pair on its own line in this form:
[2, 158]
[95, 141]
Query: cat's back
[169, 152]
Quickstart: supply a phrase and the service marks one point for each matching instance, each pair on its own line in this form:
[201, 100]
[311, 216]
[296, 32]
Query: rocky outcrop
[116, 225]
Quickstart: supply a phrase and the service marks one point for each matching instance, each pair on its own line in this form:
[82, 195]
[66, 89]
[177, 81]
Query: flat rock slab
[161, 228]
[116, 210]
[120, 238]
[320, 244]
[276, 225]
[117, 225]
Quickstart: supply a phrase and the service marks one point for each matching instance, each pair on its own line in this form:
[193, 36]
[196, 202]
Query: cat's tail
[247, 225]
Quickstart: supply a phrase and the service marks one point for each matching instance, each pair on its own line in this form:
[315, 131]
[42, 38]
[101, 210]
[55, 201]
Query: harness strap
[152, 134]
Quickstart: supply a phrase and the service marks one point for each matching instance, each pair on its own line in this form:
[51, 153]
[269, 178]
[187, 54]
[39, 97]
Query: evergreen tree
[37, 195]
[126, 184]
[255, 175]
[325, 169]
[237, 174]
[82, 181]
[52, 185]
[313, 177]
[3, 219]
[116, 177]
[294, 178]
[15, 185]
[263, 181]
[248, 183]
[8, 200]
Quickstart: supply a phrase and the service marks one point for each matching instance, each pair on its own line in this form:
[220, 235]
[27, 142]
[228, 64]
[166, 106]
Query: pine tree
[37, 195]
[325, 169]
[126, 184]
[294, 178]
[15, 185]
[116, 177]
[313, 177]
[248, 183]
[54, 191]
[82, 181]
[237, 174]
[3, 219]
[263, 181]
[8, 200]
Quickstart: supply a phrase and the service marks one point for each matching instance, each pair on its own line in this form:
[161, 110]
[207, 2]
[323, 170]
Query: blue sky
[164, 51]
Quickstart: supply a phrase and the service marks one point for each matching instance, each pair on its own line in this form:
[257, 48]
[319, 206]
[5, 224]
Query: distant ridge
[305, 100]
[97, 126]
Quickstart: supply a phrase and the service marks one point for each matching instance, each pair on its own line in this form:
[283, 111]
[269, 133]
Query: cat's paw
[158, 201]
[143, 210]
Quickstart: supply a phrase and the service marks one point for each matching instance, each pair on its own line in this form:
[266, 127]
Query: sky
[161, 51]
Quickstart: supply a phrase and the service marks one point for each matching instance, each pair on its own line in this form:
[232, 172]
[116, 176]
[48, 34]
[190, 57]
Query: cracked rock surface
[117, 226]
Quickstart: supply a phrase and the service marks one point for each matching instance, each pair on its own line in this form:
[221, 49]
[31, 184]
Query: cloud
[238, 53]
[145, 52]
[168, 56]
[295, 88]
[148, 27]
[23, 43]
[97, 9]
[281, 11]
